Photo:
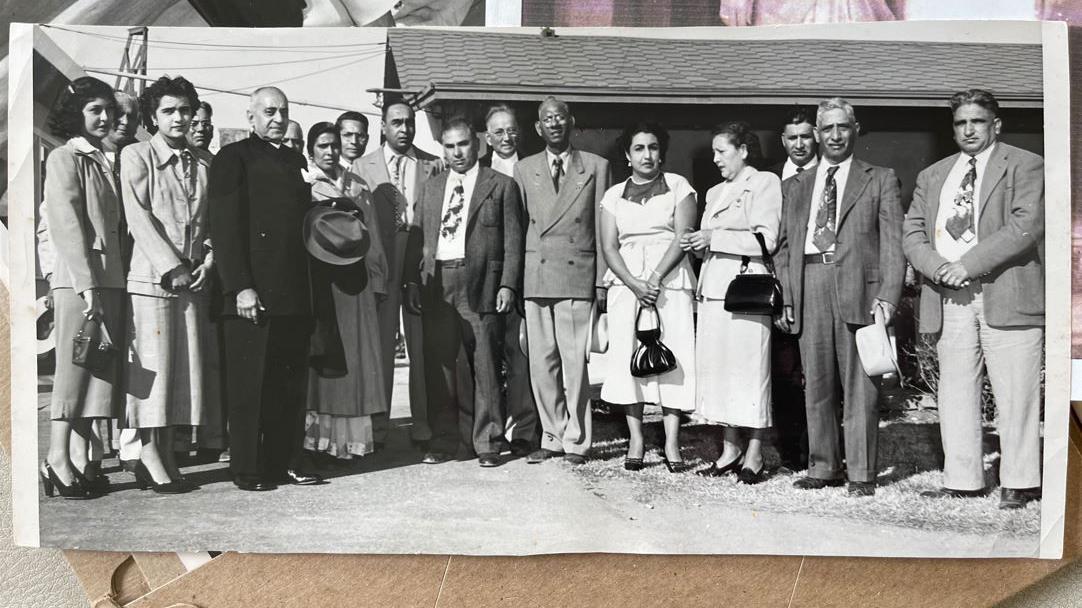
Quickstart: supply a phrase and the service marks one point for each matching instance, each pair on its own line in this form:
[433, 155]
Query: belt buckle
[828, 257]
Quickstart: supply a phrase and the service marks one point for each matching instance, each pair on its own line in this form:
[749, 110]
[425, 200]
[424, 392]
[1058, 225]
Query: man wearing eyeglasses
[561, 190]
[502, 136]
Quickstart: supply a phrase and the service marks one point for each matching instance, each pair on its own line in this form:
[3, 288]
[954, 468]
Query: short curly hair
[152, 96]
[739, 133]
[66, 118]
[652, 128]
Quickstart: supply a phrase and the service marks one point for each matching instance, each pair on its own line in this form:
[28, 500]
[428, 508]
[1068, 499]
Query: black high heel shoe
[93, 478]
[52, 485]
[144, 480]
[633, 464]
[749, 477]
[678, 466]
[715, 471]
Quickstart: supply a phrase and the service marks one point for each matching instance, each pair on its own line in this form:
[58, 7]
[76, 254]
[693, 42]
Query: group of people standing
[498, 267]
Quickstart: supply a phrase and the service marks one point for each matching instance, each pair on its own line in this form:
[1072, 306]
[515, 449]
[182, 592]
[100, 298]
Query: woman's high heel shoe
[144, 480]
[715, 471]
[750, 477]
[677, 466]
[633, 464]
[93, 478]
[52, 485]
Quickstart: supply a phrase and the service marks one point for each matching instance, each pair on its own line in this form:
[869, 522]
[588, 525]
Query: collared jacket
[168, 220]
[84, 218]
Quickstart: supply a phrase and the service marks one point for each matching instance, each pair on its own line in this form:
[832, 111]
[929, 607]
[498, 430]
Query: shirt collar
[565, 156]
[842, 166]
[791, 166]
[468, 176]
[982, 157]
[164, 151]
[389, 154]
[82, 146]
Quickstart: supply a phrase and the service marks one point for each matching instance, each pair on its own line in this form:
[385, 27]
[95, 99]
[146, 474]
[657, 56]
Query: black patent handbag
[92, 348]
[651, 357]
[752, 293]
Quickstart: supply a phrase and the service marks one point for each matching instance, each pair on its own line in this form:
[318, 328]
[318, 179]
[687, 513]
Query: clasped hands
[953, 275]
[195, 279]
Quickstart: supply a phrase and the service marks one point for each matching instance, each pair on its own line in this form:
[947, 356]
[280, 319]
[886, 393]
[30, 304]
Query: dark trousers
[828, 352]
[266, 374]
[787, 386]
[461, 347]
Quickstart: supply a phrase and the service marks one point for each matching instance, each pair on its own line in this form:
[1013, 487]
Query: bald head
[126, 122]
[268, 113]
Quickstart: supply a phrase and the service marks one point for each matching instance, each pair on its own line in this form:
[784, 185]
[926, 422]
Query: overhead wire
[364, 55]
[211, 46]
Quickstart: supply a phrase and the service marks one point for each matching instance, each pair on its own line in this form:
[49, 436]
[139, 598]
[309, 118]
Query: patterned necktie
[399, 184]
[799, 169]
[960, 224]
[557, 173]
[827, 217]
[452, 218]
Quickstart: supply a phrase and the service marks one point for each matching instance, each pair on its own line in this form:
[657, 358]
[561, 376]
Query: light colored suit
[997, 322]
[372, 168]
[831, 301]
[561, 271]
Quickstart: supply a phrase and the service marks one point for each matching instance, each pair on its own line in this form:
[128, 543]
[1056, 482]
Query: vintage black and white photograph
[535, 290]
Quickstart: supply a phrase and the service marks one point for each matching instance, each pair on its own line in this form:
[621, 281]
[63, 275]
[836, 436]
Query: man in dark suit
[257, 201]
[465, 254]
[394, 174]
[798, 138]
[975, 231]
[502, 135]
[841, 266]
[561, 190]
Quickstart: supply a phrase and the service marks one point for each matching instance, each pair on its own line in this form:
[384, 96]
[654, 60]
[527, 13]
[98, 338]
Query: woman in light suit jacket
[733, 350]
[168, 383]
[84, 219]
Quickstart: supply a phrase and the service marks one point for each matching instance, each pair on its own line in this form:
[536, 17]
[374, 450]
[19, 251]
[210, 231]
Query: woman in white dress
[641, 221]
[733, 350]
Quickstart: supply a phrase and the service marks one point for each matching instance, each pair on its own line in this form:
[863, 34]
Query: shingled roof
[440, 65]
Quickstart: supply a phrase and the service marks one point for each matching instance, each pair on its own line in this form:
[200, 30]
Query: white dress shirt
[503, 165]
[841, 176]
[409, 175]
[789, 169]
[453, 247]
[945, 244]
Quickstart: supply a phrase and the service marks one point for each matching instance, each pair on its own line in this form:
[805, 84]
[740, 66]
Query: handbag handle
[638, 315]
[768, 260]
[106, 338]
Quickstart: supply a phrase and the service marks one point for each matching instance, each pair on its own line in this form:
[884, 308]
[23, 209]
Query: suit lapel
[859, 176]
[542, 182]
[481, 188]
[996, 169]
[935, 193]
[733, 192]
[432, 211]
[805, 184]
[573, 183]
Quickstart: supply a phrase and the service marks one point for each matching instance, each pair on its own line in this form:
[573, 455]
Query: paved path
[391, 503]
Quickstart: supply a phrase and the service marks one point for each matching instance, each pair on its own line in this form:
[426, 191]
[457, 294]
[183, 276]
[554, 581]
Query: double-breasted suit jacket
[257, 201]
[1007, 259]
[561, 228]
[868, 250]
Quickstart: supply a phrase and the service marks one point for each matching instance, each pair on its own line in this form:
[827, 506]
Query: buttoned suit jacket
[257, 200]
[561, 257]
[493, 227]
[868, 251]
[1008, 256]
[372, 168]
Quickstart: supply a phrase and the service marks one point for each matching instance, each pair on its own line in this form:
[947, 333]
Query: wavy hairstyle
[152, 96]
[66, 118]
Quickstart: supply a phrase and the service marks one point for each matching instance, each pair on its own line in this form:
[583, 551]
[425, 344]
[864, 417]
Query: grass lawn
[910, 461]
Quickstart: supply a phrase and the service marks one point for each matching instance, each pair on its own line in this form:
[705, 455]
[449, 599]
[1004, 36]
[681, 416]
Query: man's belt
[456, 263]
[825, 257]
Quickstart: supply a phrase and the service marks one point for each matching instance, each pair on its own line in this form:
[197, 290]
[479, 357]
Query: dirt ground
[389, 502]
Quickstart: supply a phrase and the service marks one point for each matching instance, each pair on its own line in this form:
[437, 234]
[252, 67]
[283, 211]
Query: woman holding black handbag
[84, 219]
[641, 221]
[739, 227]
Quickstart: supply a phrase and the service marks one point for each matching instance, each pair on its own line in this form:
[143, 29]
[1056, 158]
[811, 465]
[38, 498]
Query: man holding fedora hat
[257, 201]
[464, 264]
